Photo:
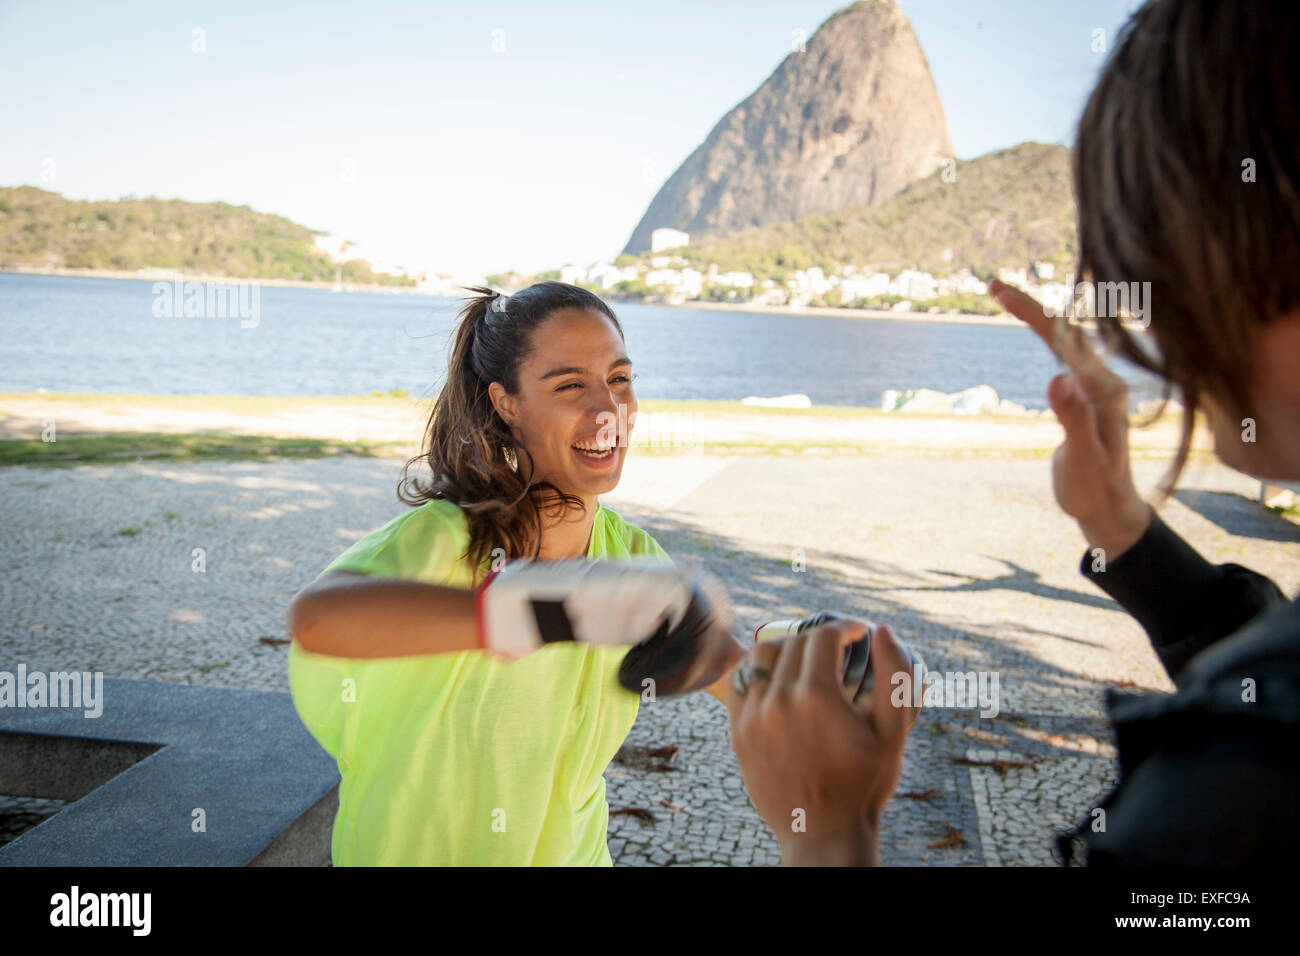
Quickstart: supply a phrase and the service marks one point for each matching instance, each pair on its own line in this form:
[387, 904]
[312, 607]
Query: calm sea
[68, 334]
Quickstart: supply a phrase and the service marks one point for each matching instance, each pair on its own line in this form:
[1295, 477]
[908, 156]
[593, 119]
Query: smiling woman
[448, 753]
[519, 430]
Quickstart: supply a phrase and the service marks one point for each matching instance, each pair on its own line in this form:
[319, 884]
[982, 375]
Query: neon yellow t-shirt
[461, 759]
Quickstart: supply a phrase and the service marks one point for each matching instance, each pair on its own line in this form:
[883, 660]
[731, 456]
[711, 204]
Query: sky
[468, 138]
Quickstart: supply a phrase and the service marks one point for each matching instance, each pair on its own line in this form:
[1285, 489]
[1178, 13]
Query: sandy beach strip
[661, 426]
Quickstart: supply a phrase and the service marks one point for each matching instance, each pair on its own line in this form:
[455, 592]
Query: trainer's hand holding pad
[676, 622]
[857, 672]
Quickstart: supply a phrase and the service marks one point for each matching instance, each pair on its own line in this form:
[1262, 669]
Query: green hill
[41, 229]
[1002, 209]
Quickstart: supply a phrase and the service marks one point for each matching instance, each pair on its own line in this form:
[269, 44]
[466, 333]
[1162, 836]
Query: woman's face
[575, 405]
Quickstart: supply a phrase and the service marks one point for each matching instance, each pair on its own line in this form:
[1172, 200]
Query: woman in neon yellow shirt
[464, 757]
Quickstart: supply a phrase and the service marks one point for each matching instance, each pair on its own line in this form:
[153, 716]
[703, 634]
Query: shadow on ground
[1239, 515]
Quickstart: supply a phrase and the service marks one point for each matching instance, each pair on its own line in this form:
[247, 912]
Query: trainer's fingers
[764, 657]
[823, 652]
[1076, 415]
[1028, 310]
[1107, 392]
[1111, 401]
[789, 663]
[1099, 380]
[892, 697]
[1066, 340]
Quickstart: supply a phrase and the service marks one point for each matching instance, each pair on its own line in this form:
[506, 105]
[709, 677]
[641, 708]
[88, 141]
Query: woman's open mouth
[594, 453]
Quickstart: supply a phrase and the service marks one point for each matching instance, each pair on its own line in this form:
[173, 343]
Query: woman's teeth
[593, 450]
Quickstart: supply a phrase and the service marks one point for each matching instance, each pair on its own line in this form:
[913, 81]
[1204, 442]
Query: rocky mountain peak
[849, 119]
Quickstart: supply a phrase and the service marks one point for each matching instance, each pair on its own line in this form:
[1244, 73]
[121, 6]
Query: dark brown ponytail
[468, 448]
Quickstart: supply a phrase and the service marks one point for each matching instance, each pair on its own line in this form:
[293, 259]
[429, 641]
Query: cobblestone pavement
[967, 559]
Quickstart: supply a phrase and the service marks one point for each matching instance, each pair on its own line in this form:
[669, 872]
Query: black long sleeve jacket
[1209, 775]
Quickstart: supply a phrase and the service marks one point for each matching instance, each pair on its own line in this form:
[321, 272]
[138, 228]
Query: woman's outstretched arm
[346, 614]
[515, 612]
[719, 687]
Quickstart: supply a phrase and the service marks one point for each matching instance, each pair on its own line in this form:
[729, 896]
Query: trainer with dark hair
[1187, 177]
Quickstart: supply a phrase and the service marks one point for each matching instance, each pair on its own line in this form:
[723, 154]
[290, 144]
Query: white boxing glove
[531, 603]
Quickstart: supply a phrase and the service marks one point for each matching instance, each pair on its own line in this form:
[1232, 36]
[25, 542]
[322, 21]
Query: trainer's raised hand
[1091, 476]
[819, 767]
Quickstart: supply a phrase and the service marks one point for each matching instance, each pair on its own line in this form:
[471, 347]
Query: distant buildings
[668, 276]
[773, 293]
[687, 281]
[573, 275]
[911, 284]
[671, 275]
[734, 280]
[661, 239]
[964, 282]
[812, 281]
[853, 288]
[341, 250]
[1018, 277]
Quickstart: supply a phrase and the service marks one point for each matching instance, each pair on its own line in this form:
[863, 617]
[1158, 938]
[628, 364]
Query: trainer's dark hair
[1187, 176]
[466, 442]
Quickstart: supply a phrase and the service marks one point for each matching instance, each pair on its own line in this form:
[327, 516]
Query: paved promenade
[967, 559]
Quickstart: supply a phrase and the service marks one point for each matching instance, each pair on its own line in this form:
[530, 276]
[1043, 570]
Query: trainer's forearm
[376, 618]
